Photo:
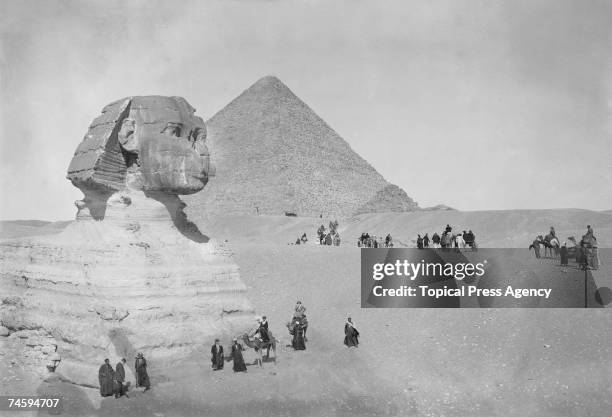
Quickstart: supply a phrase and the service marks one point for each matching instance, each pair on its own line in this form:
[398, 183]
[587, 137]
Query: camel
[259, 345]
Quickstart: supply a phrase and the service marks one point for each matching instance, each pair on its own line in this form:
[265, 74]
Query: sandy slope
[469, 362]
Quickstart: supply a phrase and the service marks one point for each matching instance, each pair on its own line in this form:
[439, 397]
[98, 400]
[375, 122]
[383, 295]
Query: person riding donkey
[299, 314]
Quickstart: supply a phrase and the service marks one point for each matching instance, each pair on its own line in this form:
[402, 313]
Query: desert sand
[468, 362]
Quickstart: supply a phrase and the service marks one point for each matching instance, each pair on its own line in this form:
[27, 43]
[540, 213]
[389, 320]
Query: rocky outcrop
[132, 273]
[389, 199]
[274, 154]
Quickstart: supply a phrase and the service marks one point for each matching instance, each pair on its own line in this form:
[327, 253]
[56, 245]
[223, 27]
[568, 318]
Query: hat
[235, 340]
[265, 318]
[139, 355]
[216, 340]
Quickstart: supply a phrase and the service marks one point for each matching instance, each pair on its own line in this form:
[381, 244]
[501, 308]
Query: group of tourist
[218, 358]
[447, 239]
[113, 381]
[585, 251]
[329, 237]
[370, 241]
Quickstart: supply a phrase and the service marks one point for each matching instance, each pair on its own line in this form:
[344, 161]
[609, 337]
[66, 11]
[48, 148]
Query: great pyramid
[273, 155]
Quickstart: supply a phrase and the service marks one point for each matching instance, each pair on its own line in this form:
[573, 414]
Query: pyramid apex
[269, 79]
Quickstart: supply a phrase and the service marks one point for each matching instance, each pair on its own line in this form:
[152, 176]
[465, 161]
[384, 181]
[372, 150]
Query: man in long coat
[351, 335]
[120, 378]
[217, 357]
[106, 375]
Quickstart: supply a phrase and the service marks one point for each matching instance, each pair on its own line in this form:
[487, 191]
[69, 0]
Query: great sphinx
[132, 273]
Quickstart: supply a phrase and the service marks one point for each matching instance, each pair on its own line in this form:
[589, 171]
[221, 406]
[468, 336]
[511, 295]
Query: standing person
[298, 336]
[239, 365]
[217, 358]
[299, 310]
[563, 255]
[142, 377]
[106, 376]
[536, 247]
[419, 242]
[351, 335]
[120, 378]
[426, 241]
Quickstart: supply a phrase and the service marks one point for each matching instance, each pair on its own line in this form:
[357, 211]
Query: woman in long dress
[239, 365]
[298, 337]
[142, 377]
[106, 374]
[351, 335]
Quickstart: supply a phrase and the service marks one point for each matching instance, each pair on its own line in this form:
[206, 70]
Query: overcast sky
[475, 104]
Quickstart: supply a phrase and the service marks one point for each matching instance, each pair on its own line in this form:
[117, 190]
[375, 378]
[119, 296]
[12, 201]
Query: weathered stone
[143, 278]
[148, 143]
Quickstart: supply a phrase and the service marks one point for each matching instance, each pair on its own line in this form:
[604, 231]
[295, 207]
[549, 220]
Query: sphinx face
[164, 147]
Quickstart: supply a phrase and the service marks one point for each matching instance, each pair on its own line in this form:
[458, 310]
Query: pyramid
[273, 154]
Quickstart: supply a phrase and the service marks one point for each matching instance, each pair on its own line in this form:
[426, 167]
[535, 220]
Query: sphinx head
[152, 143]
[148, 143]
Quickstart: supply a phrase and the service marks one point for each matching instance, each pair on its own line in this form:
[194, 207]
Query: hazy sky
[475, 104]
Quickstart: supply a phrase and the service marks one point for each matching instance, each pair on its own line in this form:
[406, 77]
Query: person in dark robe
[142, 377]
[419, 242]
[263, 330]
[563, 255]
[351, 335]
[304, 238]
[239, 365]
[120, 378]
[298, 336]
[329, 239]
[217, 358]
[426, 241]
[106, 376]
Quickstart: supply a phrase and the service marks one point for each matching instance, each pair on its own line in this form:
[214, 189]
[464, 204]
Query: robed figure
[106, 376]
[351, 335]
[142, 377]
[217, 358]
[120, 378]
[239, 365]
[298, 337]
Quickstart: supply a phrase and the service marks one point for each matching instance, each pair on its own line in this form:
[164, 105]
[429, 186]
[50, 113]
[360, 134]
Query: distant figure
[419, 242]
[321, 234]
[263, 330]
[120, 378]
[388, 241]
[552, 232]
[336, 239]
[329, 239]
[106, 375]
[536, 247]
[589, 230]
[299, 310]
[239, 365]
[448, 229]
[142, 377]
[563, 254]
[436, 240]
[298, 241]
[304, 238]
[426, 241]
[351, 335]
[216, 356]
[298, 337]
